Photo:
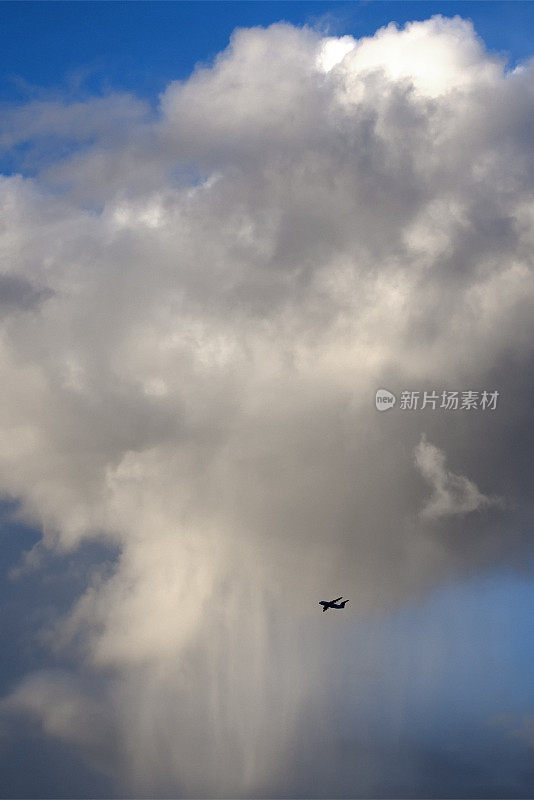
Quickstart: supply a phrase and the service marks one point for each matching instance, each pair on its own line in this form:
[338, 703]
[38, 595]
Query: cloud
[227, 284]
[57, 701]
[18, 293]
[49, 126]
[451, 494]
[437, 57]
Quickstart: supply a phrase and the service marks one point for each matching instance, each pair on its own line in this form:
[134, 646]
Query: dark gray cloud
[18, 294]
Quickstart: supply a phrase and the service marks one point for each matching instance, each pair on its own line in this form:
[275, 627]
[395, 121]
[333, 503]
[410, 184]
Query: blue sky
[453, 668]
[142, 46]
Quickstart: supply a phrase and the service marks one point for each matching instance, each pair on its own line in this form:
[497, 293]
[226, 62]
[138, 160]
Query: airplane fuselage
[336, 606]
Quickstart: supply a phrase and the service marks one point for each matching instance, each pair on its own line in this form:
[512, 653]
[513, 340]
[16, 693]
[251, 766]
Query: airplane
[332, 604]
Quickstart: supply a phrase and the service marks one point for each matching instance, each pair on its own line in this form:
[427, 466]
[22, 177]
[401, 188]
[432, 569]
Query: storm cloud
[222, 287]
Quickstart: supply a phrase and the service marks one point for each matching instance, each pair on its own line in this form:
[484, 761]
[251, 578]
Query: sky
[224, 228]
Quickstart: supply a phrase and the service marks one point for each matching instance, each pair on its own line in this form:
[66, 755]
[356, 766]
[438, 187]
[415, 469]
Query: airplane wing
[337, 598]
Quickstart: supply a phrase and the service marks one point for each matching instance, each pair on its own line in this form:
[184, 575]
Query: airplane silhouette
[332, 604]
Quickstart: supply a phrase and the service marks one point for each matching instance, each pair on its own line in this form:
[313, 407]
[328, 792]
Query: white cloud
[437, 56]
[333, 50]
[79, 121]
[190, 355]
[451, 494]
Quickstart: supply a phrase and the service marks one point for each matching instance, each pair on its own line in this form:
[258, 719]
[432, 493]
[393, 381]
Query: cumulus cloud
[218, 293]
[436, 57]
